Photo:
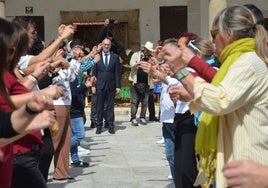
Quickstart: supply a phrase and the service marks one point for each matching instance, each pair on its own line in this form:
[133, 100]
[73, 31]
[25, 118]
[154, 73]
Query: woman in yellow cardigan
[235, 105]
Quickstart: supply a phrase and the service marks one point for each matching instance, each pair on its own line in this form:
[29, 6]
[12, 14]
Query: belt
[35, 148]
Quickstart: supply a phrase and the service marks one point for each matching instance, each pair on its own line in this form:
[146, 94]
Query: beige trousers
[61, 142]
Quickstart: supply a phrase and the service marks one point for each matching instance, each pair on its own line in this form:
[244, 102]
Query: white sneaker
[83, 150]
[170, 177]
[134, 122]
[162, 141]
[143, 121]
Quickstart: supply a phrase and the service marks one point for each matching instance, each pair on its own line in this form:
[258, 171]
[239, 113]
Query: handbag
[141, 88]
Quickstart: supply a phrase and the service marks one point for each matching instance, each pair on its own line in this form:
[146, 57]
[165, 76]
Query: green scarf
[207, 133]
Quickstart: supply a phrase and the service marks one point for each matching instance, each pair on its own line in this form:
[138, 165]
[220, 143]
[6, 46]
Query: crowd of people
[213, 101]
[220, 89]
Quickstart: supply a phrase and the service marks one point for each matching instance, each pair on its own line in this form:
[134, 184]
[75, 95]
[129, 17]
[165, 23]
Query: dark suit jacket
[110, 77]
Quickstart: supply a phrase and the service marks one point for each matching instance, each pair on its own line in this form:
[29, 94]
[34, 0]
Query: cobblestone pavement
[128, 159]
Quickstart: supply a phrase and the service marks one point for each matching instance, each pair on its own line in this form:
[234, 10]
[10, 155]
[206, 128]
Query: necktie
[106, 61]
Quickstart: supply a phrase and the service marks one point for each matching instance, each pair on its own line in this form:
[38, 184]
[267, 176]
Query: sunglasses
[213, 33]
[191, 45]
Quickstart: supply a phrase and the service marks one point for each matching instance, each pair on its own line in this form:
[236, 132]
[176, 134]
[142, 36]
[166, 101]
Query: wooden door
[173, 21]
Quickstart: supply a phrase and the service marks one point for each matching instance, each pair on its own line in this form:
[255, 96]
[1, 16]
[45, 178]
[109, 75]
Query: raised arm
[64, 32]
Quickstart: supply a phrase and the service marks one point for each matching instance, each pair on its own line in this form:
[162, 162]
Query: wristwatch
[183, 73]
[29, 110]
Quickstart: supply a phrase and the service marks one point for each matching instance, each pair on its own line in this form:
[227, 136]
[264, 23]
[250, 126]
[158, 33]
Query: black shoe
[153, 119]
[93, 124]
[80, 164]
[106, 125]
[68, 179]
[98, 131]
[111, 130]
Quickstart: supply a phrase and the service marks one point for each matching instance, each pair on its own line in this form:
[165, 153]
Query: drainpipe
[2, 9]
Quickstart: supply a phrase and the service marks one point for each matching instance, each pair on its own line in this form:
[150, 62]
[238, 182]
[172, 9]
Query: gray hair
[240, 22]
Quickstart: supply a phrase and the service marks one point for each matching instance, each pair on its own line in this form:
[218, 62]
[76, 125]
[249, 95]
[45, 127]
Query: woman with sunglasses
[234, 123]
[203, 69]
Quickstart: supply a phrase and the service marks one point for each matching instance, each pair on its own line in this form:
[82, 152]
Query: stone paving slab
[128, 159]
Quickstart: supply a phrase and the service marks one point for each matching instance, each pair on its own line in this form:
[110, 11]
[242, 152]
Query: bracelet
[29, 110]
[21, 72]
[182, 74]
[32, 78]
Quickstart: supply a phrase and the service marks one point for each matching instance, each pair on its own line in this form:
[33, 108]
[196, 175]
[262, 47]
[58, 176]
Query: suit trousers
[93, 109]
[105, 96]
[61, 142]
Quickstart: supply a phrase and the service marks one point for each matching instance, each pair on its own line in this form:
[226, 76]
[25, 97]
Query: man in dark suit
[107, 72]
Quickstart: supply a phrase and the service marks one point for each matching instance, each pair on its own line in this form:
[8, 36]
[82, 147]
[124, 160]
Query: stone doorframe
[129, 16]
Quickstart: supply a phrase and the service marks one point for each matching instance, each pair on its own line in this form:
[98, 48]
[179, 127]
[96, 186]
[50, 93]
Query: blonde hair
[205, 46]
[240, 22]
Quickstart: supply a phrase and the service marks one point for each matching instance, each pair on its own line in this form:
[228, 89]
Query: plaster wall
[198, 13]
[50, 9]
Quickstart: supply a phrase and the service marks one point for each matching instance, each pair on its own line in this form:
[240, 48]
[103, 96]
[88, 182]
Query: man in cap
[139, 83]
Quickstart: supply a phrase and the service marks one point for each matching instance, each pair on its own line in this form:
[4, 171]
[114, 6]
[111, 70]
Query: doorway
[88, 32]
[173, 21]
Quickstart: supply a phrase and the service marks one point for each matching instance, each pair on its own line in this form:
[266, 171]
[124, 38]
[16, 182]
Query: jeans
[168, 134]
[135, 100]
[78, 133]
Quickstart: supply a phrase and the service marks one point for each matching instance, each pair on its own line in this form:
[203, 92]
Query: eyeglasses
[78, 47]
[34, 32]
[213, 33]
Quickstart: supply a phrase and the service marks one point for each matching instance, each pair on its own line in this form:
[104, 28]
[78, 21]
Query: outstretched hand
[53, 91]
[187, 55]
[42, 120]
[65, 31]
[177, 92]
[246, 174]
[172, 56]
[40, 101]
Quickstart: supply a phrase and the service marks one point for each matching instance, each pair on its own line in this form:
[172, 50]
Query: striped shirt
[241, 101]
